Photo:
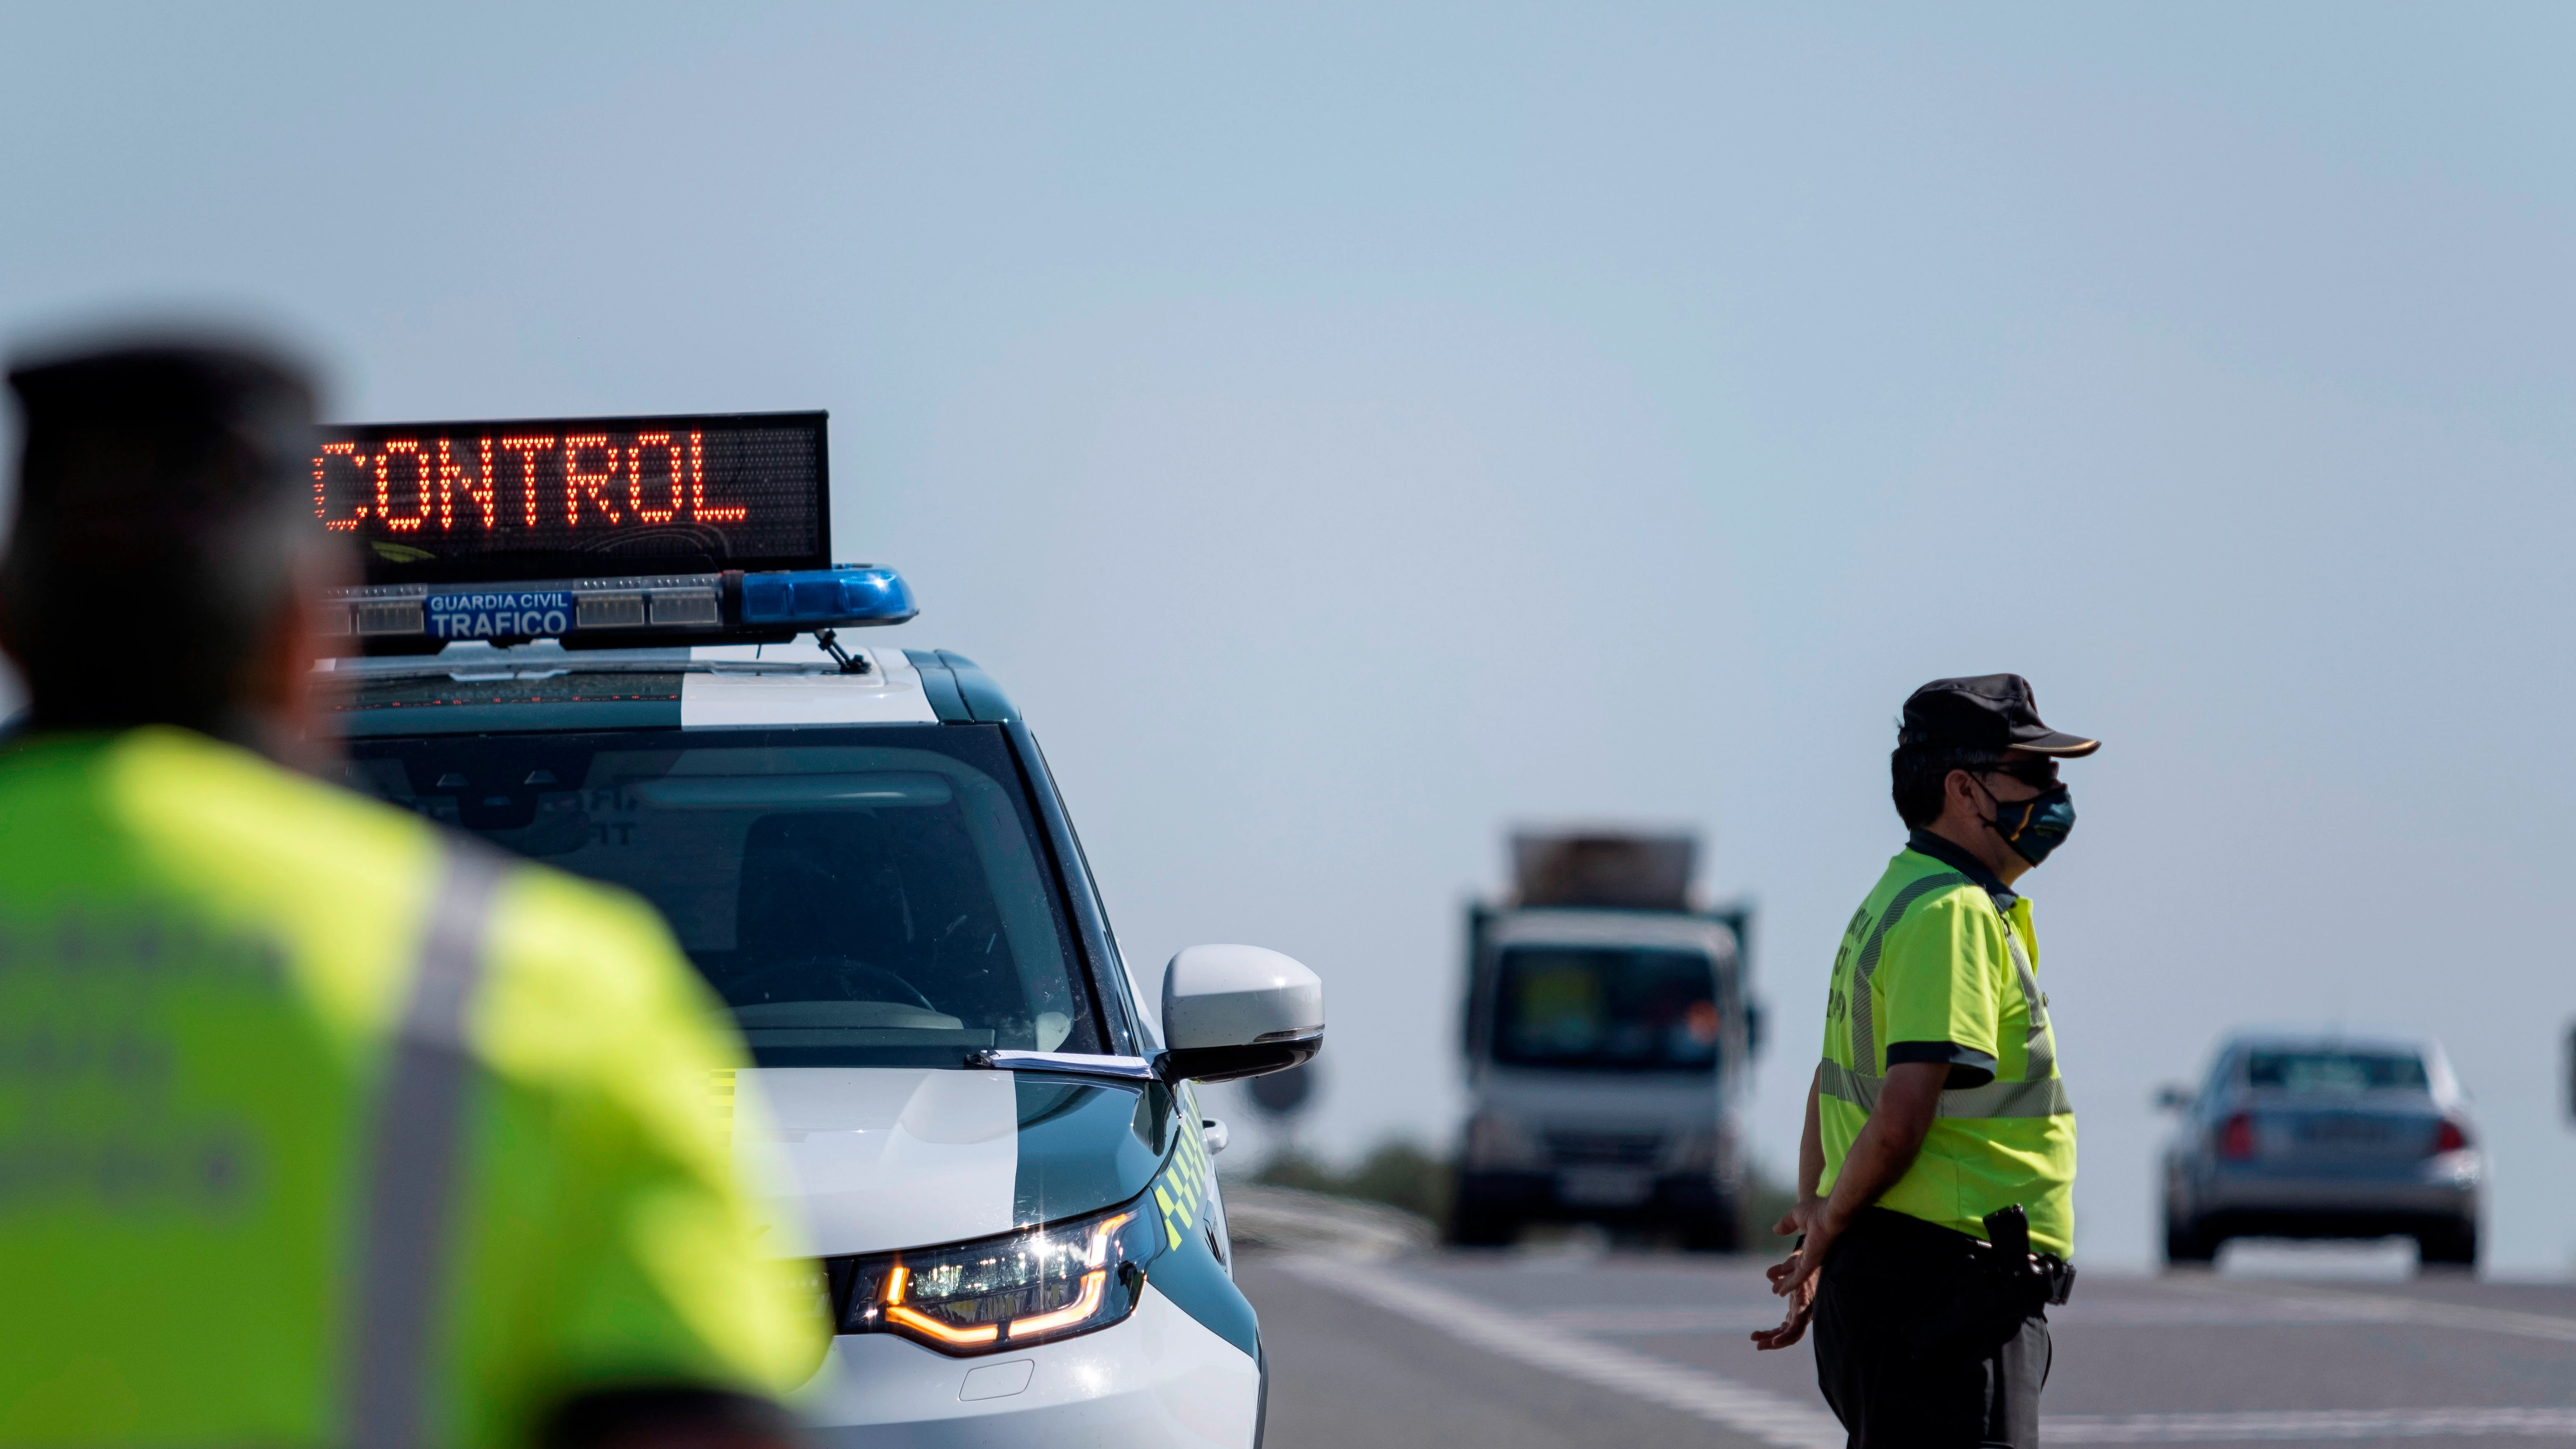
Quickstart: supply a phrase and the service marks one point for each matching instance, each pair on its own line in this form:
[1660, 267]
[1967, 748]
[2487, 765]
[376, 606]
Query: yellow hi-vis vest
[319, 1128]
[1928, 958]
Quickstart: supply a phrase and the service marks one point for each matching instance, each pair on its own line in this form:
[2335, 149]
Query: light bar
[849, 594]
[702, 607]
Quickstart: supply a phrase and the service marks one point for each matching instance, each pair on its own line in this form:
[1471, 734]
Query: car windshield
[2335, 1071]
[858, 897]
[1613, 1008]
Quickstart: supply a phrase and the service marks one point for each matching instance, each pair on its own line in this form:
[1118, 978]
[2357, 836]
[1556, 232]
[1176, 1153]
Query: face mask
[2035, 826]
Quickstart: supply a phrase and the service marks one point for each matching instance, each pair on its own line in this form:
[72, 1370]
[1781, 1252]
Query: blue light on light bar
[844, 594]
[597, 610]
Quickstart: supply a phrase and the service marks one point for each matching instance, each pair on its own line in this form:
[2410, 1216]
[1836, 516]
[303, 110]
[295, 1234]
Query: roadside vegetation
[1397, 1172]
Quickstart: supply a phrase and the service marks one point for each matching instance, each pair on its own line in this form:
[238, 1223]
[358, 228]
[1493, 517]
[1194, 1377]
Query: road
[1541, 1349]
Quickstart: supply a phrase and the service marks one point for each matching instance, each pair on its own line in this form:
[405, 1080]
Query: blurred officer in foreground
[317, 1126]
[1938, 1133]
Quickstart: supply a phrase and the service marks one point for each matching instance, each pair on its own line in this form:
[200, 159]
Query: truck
[1609, 1029]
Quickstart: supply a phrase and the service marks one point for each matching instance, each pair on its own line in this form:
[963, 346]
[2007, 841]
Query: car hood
[878, 1158]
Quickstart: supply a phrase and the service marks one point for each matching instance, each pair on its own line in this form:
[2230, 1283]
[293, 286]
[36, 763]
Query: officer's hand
[1797, 1276]
[1800, 1219]
[1802, 1307]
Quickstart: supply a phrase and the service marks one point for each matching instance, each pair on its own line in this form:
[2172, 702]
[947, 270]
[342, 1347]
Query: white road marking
[2385, 1308]
[1646, 1322]
[1767, 1417]
[1562, 1342]
[2213, 1308]
[2306, 1425]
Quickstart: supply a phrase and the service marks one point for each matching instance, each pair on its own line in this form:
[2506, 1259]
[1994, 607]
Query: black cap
[153, 447]
[158, 498]
[1988, 712]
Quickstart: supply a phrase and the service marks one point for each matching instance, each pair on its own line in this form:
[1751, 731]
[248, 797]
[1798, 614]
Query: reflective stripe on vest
[2039, 1051]
[411, 1164]
[1864, 1037]
[2045, 1098]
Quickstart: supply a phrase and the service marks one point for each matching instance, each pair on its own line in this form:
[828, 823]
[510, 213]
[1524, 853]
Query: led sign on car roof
[554, 498]
[592, 530]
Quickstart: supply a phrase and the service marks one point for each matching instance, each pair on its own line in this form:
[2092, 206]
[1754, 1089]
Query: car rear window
[2335, 1071]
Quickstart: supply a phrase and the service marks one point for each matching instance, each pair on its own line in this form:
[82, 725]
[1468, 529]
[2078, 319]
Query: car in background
[2323, 1136]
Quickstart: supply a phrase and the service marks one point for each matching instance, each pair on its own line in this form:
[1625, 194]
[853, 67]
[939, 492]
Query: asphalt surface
[1544, 1348]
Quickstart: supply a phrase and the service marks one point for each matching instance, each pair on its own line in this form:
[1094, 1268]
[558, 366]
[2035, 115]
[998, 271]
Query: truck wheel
[2450, 1245]
[1482, 1229]
[1474, 1223]
[2189, 1242]
[1713, 1232]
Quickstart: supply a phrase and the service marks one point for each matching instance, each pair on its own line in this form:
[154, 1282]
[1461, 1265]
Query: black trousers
[1915, 1346]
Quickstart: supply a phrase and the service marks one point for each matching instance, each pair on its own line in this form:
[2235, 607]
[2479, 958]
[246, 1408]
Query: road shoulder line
[1767, 1417]
[2334, 1304]
[2306, 1425]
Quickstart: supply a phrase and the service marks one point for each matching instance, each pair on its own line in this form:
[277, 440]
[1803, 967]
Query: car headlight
[1009, 1291]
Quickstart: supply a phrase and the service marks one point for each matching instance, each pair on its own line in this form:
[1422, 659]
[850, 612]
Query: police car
[614, 645]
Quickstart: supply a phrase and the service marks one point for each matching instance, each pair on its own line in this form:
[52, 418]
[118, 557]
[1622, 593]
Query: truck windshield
[1606, 1008]
[858, 897]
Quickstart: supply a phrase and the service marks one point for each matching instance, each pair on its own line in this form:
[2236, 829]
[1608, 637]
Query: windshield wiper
[1071, 1064]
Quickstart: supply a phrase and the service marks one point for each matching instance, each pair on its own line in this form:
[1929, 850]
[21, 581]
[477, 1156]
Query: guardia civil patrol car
[615, 645]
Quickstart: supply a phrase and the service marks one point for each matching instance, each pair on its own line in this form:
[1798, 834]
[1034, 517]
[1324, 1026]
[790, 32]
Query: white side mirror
[1238, 1011]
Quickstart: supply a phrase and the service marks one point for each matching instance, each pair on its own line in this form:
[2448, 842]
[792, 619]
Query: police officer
[317, 1126]
[1935, 1171]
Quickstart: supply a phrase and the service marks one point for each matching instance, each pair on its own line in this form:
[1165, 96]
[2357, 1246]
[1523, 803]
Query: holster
[2036, 1279]
[1991, 1288]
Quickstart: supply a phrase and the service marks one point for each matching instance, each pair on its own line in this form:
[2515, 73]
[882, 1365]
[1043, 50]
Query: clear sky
[1351, 430]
